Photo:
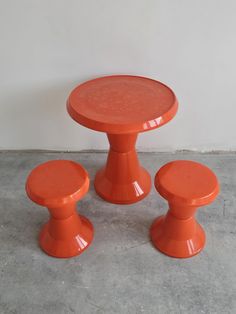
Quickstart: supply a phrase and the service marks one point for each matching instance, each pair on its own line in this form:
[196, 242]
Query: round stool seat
[187, 182]
[57, 182]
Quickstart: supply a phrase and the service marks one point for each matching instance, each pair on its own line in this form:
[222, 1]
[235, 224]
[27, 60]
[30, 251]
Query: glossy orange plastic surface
[186, 185]
[122, 180]
[122, 106]
[58, 185]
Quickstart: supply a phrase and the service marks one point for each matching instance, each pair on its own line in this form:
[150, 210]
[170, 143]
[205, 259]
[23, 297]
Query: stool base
[122, 193]
[68, 247]
[179, 248]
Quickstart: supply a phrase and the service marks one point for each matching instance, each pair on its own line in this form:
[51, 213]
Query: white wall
[49, 46]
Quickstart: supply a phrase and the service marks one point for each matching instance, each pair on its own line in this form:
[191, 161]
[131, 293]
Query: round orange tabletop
[122, 106]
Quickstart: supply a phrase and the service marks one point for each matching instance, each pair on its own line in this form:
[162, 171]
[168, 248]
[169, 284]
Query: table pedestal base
[122, 180]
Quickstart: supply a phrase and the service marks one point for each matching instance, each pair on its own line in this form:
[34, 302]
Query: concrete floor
[121, 272]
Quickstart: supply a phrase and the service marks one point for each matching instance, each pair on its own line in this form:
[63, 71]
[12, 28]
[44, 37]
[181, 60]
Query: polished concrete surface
[121, 272]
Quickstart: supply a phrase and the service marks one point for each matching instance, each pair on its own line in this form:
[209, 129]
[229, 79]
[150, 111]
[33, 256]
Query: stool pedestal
[177, 233]
[66, 234]
[122, 180]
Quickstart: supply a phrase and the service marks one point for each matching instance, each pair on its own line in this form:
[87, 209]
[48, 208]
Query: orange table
[122, 106]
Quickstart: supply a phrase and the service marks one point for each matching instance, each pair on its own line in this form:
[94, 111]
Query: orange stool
[122, 106]
[58, 185]
[186, 185]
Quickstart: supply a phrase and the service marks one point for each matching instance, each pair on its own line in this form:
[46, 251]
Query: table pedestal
[122, 180]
